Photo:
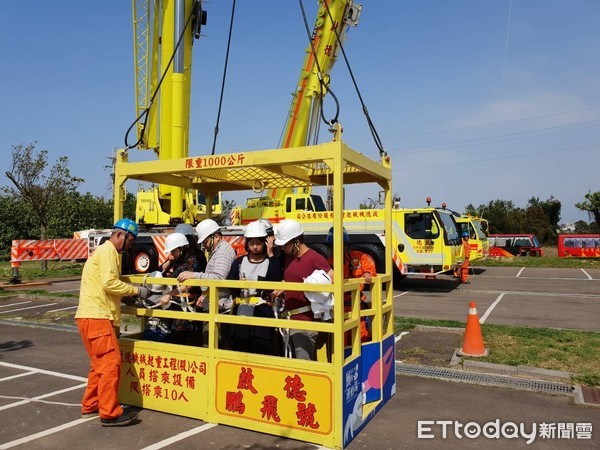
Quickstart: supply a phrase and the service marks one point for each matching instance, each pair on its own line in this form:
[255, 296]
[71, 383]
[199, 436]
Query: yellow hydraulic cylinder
[177, 139]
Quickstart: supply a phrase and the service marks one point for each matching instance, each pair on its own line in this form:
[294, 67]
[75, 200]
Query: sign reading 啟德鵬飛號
[288, 398]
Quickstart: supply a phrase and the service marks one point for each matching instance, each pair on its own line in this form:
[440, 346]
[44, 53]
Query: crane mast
[164, 31]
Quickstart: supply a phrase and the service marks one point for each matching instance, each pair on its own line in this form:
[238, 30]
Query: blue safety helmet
[330, 236]
[127, 225]
[465, 234]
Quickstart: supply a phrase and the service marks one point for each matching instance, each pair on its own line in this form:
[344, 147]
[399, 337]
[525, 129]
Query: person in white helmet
[220, 259]
[258, 264]
[190, 233]
[299, 263]
[183, 258]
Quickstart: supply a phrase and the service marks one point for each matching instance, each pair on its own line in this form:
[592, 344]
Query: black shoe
[466, 282]
[127, 418]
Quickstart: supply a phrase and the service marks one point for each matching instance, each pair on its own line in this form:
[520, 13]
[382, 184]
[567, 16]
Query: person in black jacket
[183, 258]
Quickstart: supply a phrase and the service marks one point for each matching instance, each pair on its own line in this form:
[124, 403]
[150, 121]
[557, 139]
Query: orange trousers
[102, 346]
[464, 271]
[363, 329]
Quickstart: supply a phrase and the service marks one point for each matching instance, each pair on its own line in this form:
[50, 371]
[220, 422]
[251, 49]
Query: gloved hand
[144, 292]
[129, 301]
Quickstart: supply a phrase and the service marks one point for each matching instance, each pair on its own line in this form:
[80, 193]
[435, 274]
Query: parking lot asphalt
[43, 371]
[42, 376]
[555, 298]
[537, 297]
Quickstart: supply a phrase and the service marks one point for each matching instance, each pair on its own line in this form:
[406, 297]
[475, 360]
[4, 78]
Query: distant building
[568, 227]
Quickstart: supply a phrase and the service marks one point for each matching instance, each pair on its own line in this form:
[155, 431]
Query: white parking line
[491, 308]
[12, 304]
[19, 375]
[573, 278]
[399, 336]
[41, 434]
[29, 307]
[178, 437]
[401, 294]
[62, 309]
[587, 274]
[520, 271]
[46, 402]
[40, 397]
[42, 371]
[537, 294]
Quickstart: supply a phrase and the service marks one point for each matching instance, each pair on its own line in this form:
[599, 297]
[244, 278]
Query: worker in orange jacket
[357, 264]
[462, 271]
[98, 318]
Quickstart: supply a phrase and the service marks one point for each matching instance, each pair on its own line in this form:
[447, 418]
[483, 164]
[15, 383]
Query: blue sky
[474, 100]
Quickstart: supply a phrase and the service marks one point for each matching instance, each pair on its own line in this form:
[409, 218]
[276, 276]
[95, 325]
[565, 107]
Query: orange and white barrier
[159, 243]
[238, 243]
[48, 249]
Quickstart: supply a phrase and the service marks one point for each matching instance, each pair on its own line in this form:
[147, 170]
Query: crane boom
[333, 19]
[164, 32]
[329, 31]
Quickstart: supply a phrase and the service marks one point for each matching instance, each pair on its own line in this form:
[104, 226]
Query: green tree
[79, 212]
[128, 207]
[472, 211]
[17, 221]
[591, 204]
[369, 203]
[543, 218]
[552, 208]
[42, 187]
[582, 227]
[503, 216]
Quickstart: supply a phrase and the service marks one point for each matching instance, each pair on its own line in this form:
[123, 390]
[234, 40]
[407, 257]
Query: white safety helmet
[288, 229]
[175, 240]
[321, 303]
[157, 287]
[185, 228]
[206, 228]
[255, 229]
[268, 226]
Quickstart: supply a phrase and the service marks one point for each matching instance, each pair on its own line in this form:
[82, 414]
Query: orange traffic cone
[473, 345]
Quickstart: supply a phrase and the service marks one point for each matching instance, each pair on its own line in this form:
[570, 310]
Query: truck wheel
[144, 259]
[374, 251]
[397, 277]
[322, 249]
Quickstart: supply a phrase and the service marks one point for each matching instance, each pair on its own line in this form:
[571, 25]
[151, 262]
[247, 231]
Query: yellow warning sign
[166, 381]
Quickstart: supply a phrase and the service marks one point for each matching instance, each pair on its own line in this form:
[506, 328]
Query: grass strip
[38, 292]
[574, 351]
[32, 270]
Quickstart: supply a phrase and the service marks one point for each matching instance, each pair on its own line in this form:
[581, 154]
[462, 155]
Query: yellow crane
[164, 33]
